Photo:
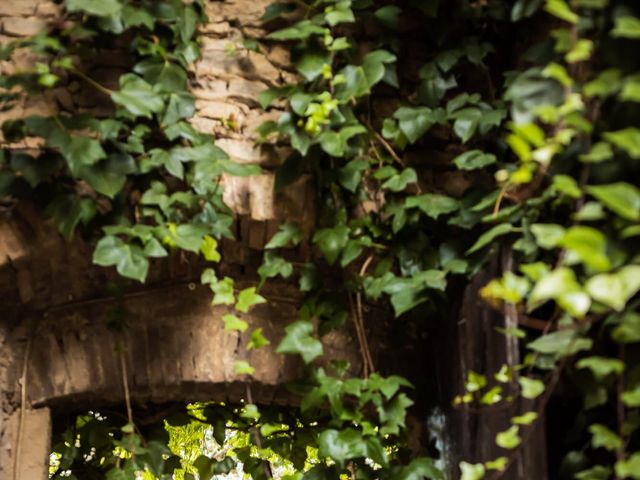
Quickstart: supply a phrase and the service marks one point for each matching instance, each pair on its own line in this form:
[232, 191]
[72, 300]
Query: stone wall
[56, 309]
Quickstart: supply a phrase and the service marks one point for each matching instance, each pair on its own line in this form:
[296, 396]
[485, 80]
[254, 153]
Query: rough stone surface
[33, 463]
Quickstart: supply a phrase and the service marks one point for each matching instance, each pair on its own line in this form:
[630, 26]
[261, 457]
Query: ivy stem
[256, 434]
[620, 413]
[92, 82]
[23, 406]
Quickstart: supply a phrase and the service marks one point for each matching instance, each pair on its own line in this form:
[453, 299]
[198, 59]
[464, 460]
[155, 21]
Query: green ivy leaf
[137, 96]
[471, 471]
[276, 10]
[299, 340]
[595, 473]
[626, 26]
[525, 419]
[389, 16]
[233, 323]
[605, 438]
[509, 439]
[615, 289]
[433, 205]
[399, 182]
[247, 298]
[623, 198]
[531, 387]
[223, 292]
[587, 245]
[547, 235]
[289, 234]
[100, 8]
[331, 241]
[601, 367]
[627, 139]
[257, 339]
[474, 159]
[466, 122]
[129, 260]
[274, 265]
[300, 31]
[560, 9]
[561, 343]
[415, 122]
[489, 236]
[209, 249]
[242, 367]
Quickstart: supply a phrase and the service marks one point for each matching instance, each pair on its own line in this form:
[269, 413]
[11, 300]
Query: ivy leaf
[187, 22]
[587, 245]
[615, 289]
[603, 437]
[137, 96]
[289, 234]
[276, 10]
[509, 439]
[129, 260]
[247, 298]
[355, 83]
[299, 31]
[99, 8]
[341, 446]
[621, 197]
[339, 14]
[466, 123]
[389, 16]
[308, 277]
[471, 471]
[257, 339]
[393, 414]
[167, 76]
[223, 292]
[628, 331]
[525, 419]
[560, 9]
[80, 151]
[601, 367]
[350, 175]
[274, 265]
[233, 323]
[631, 398]
[209, 249]
[626, 26]
[474, 159]
[531, 387]
[415, 122]
[299, 340]
[399, 182]
[627, 139]
[561, 343]
[595, 473]
[242, 367]
[524, 9]
[433, 205]
[489, 236]
[547, 235]
[312, 63]
[331, 241]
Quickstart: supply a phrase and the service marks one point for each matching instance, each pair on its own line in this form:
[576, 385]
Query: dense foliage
[535, 105]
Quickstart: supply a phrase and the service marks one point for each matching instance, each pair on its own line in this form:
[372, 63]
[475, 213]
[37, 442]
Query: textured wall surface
[175, 348]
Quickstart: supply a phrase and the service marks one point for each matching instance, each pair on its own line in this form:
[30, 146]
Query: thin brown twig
[125, 383]
[256, 435]
[361, 340]
[23, 406]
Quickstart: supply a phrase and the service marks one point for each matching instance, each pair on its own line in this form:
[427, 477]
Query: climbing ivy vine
[437, 133]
